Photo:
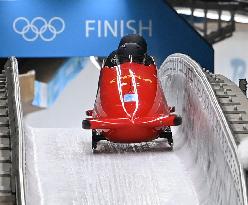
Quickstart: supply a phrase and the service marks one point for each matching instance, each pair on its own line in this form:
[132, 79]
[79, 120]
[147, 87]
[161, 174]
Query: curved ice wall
[204, 131]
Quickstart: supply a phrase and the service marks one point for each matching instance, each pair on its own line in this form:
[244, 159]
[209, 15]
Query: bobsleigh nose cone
[177, 120]
[86, 124]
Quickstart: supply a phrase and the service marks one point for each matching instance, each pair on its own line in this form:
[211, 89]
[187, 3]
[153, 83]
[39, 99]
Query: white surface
[69, 173]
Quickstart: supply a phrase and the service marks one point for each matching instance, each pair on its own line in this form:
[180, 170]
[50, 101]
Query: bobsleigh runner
[130, 105]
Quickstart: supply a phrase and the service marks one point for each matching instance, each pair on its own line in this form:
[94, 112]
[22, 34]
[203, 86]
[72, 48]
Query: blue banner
[62, 28]
[47, 93]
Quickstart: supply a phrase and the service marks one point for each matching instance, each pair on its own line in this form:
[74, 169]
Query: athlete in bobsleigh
[130, 45]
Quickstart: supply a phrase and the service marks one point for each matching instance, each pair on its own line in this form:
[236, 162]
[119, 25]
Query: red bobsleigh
[130, 105]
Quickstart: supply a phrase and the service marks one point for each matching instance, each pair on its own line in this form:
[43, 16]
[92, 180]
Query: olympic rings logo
[39, 27]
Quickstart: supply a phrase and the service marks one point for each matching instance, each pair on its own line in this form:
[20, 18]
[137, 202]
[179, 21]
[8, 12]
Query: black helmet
[134, 38]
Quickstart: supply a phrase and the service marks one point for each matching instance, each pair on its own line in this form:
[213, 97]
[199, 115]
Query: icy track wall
[16, 130]
[204, 131]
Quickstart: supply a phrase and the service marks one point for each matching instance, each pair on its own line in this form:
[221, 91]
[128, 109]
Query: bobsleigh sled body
[130, 106]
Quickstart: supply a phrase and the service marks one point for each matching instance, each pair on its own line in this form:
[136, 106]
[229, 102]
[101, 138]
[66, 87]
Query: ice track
[67, 172]
[60, 167]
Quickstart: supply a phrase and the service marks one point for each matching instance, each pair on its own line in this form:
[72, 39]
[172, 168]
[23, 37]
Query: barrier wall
[16, 130]
[204, 131]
